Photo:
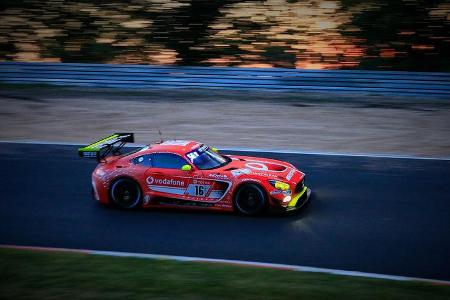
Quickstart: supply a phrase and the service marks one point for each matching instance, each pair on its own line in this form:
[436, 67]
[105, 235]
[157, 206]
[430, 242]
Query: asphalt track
[379, 215]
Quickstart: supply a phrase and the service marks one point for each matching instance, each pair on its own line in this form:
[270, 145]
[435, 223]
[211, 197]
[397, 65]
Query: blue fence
[147, 77]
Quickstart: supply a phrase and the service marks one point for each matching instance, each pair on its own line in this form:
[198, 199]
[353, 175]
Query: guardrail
[146, 77]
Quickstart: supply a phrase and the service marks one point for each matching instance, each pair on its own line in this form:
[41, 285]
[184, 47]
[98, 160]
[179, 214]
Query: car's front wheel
[250, 199]
[125, 193]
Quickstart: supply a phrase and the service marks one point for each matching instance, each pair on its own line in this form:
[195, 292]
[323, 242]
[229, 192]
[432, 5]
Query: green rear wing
[109, 145]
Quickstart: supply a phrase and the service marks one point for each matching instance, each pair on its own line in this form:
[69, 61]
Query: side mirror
[214, 149]
[186, 168]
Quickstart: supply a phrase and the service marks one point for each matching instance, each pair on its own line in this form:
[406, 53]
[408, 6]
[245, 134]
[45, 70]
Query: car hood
[262, 167]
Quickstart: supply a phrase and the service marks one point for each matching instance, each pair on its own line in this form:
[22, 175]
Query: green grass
[45, 275]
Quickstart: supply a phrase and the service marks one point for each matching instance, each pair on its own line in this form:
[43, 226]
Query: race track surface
[380, 215]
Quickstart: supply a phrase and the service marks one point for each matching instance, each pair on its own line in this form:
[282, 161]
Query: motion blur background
[315, 115]
[411, 35]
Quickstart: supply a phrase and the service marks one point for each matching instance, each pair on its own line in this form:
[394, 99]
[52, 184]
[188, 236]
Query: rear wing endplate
[109, 145]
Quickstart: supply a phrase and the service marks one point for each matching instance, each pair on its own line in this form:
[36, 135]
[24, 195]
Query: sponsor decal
[251, 180]
[196, 153]
[257, 166]
[265, 166]
[159, 181]
[200, 181]
[291, 173]
[218, 176]
[147, 199]
[192, 156]
[239, 172]
[277, 192]
[265, 174]
[90, 154]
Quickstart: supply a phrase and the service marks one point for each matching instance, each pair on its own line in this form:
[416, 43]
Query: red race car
[189, 174]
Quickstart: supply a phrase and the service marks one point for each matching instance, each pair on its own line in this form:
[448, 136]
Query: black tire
[250, 199]
[125, 193]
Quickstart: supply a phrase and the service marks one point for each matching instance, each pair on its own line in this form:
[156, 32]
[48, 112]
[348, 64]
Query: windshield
[205, 159]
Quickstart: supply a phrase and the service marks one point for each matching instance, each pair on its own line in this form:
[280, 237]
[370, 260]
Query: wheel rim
[126, 193]
[249, 200]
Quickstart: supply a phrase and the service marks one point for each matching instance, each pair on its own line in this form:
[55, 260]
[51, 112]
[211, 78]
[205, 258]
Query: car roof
[174, 146]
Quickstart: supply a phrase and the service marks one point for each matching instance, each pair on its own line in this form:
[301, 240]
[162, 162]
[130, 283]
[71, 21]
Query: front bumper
[297, 202]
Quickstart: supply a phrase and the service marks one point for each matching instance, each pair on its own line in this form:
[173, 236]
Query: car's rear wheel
[125, 193]
[250, 199]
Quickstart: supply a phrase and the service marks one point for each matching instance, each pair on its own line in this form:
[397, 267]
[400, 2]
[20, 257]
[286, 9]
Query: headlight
[279, 185]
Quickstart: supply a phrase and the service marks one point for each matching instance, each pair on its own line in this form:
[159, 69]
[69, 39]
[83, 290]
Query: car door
[216, 185]
[165, 177]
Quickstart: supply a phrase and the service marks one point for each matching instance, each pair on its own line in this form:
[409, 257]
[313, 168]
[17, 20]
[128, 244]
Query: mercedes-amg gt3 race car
[189, 174]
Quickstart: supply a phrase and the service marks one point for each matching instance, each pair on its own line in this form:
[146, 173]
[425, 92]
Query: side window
[168, 161]
[144, 160]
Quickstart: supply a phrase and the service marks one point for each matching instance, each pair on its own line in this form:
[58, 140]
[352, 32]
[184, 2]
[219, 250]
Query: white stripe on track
[284, 151]
[231, 262]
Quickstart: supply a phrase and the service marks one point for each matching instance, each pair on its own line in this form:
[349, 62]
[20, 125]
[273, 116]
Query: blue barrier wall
[147, 77]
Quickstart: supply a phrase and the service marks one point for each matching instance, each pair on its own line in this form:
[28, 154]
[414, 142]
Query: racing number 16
[199, 190]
